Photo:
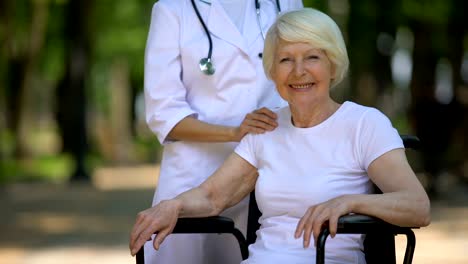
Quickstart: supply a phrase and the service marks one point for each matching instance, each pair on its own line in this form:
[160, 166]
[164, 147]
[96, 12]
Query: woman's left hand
[318, 215]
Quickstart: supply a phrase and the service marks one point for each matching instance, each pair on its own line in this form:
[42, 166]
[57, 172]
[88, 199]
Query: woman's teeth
[301, 86]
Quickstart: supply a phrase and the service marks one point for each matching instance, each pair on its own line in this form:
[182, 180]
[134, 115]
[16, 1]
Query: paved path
[52, 224]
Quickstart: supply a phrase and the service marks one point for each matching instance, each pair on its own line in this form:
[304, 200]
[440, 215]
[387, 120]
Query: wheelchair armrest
[363, 224]
[411, 142]
[205, 225]
[214, 224]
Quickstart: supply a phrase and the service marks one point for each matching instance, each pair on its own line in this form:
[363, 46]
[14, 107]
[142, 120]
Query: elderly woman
[317, 165]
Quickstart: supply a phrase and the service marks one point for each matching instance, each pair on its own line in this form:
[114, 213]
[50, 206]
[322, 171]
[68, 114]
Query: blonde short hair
[311, 26]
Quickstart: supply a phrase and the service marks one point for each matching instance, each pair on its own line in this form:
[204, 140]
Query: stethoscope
[205, 64]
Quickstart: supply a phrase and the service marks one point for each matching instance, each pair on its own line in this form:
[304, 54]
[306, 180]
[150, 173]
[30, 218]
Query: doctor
[204, 90]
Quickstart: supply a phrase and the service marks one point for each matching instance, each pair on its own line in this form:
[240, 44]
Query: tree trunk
[120, 114]
[361, 46]
[370, 49]
[20, 72]
[456, 31]
[15, 70]
[433, 122]
[386, 21]
[71, 94]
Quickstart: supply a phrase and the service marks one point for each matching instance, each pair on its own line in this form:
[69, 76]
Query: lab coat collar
[251, 28]
[221, 26]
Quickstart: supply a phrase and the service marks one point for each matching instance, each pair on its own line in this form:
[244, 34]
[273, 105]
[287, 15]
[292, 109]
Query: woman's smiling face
[302, 73]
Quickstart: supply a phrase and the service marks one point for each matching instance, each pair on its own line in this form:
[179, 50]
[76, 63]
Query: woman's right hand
[160, 219]
[257, 122]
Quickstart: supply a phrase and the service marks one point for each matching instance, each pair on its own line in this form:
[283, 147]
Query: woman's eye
[313, 57]
[284, 60]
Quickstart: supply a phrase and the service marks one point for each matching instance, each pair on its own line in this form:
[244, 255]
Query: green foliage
[435, 15]
[317, 4]
[54, 168]
[401, 123]
[19, 23]
[148, 148]
[52, 58]
[6, 143]
[98, 90]
[435, 12]
[120, 29]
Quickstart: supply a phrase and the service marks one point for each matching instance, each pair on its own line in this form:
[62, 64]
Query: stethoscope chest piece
[206, 66]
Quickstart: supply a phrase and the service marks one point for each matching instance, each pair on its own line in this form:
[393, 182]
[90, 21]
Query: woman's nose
[299, 68]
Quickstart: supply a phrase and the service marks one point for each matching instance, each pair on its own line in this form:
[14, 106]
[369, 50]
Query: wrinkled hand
[321, 214]
[257, 122]
[160, 219]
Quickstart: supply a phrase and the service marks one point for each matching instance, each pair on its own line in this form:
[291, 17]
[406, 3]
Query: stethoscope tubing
[257, 6]
[205, 28]
[206, 65]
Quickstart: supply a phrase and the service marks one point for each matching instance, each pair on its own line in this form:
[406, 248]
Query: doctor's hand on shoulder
[256, 122]
[191, 129]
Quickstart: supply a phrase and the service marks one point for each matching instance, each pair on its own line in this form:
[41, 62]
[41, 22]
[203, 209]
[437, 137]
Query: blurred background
[77, 161]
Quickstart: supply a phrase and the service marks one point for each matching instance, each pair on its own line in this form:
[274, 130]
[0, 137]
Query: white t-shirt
[301, 167]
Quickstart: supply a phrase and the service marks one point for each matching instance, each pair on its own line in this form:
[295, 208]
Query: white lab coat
[175, 88]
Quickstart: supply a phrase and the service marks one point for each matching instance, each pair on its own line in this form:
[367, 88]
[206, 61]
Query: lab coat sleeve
[165, 94]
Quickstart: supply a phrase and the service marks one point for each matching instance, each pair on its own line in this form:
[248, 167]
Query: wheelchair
[379, 244]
